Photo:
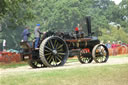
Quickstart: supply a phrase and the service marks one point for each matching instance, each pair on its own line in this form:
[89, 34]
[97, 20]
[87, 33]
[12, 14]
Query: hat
[26, 27]
[37, 24]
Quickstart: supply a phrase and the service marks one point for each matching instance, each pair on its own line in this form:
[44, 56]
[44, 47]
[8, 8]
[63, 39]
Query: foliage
[114, 34]
[14, 10]
[59, 15]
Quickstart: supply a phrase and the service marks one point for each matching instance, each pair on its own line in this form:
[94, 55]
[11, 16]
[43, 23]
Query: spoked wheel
[100, 53]
[35, 64]
[53, 51]
[85, 57]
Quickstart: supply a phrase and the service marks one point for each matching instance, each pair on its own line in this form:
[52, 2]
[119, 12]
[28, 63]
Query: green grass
[103, 75]
[72, 60]
[119, 56]
[12, 65]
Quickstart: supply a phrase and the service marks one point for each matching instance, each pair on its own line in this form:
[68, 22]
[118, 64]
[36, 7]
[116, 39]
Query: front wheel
[100, 53]
[85, 57]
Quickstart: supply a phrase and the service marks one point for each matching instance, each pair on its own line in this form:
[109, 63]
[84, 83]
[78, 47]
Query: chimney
[88, 22]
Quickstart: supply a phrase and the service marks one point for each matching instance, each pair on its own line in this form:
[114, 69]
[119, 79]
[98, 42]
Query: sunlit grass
[72, 60]
[119, 56]
[12, 65]
[103, 75]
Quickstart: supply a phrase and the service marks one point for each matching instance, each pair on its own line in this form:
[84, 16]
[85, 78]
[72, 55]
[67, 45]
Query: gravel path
[24, 69]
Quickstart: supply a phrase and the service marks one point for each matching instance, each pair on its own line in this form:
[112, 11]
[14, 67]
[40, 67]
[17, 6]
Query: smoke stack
[88, 22]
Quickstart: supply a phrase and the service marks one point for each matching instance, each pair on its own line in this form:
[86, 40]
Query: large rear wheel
[53, 51]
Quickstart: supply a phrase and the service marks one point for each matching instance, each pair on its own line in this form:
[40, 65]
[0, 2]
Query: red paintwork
[78, 40]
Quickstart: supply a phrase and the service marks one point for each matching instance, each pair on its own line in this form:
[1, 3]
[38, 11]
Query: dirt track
[25, 69]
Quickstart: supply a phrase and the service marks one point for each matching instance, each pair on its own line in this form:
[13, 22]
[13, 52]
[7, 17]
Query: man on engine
[26, 34]
[37, 35]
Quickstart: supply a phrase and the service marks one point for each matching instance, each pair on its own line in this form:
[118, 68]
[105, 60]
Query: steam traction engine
[56, 47]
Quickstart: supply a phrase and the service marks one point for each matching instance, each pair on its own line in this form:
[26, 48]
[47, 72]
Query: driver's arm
[40, 31]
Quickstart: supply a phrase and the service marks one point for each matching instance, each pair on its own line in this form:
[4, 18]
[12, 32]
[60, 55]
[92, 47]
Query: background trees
[61, 15]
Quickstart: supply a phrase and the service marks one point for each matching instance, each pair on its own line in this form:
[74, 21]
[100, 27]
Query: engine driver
[37, 35]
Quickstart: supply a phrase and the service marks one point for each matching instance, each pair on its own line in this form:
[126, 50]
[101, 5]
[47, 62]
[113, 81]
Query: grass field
[103, 75]
[13, 65]
[119, 56]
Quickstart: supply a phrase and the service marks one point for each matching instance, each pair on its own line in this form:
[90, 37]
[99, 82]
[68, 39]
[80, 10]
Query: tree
[114, 34]
[60, 15]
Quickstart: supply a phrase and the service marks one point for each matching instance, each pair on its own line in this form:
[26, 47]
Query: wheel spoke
[47, 54]
[50, 59]
[48, 48]
[55, 43]
[55, 59]
[60, 46]
[51, 44]
[61, 53]
[104, 53]
[58, 58]
[60, 50]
